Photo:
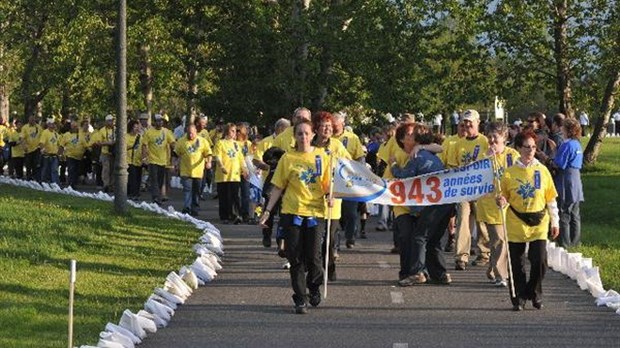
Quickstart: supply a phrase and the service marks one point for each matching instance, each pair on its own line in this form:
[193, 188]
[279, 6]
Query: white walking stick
[329, 224]
[71, 291]
[503, 218]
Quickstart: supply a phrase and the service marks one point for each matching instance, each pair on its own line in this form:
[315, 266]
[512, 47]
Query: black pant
[228, 196]
[303, 251]
[16, 167]
[332, 243]
[73, 169]
[32, 163]
[537, 255]
[134, 180]
[157, 174]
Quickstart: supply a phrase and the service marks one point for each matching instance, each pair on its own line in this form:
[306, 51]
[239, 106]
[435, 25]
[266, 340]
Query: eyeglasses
[533, 147]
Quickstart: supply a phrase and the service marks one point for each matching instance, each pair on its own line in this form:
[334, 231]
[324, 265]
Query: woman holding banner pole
[422, 229]
[489, 216]
[304, 176]
[322, 123]
[527, 188]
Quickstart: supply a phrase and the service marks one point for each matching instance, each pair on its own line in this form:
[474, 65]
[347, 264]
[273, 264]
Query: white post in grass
[71, 290]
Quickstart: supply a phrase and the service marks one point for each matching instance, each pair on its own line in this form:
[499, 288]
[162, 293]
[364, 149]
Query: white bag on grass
[203, 272]
[214, 260]
[123, 331]
[189, 277]
[159, 309]
[116, 337]
[109, 344]
[178, 281]
[163, 301]
[169, 296]
[130, 322]
[150, 321]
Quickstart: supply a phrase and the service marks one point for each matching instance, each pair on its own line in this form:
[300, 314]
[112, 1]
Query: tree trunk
[192, 93]
[300, 55]
[120, 160]
[146, 76]
[600, 130]
[562, 60]
[4, 91]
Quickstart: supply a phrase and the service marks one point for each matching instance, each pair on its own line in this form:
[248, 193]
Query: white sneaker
[286, 265]
[500, 283]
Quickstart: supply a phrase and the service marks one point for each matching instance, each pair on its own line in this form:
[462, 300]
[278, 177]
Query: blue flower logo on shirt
[526, 190]
[307, 176]
[466, 158]
[193, 147]
[74, 141]
[231, 153]
[160, 139]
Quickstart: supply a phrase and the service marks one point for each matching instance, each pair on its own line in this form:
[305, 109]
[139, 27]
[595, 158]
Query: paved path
[249, 305]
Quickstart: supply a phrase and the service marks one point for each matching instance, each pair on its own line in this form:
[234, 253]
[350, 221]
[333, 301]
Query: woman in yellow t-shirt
[488, 214]
[527, 187]
[133, 146]
[246, 207]
[73, 147]
[304, 174]
[16, 167]
[230, 168]
[322, 123]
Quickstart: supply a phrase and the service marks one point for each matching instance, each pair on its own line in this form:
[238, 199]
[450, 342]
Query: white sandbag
[595, 288]
[215, 261]
[178, 281]
[211, 239]
[130, 322]
[169, 297]
[609, 296]
[159, 309]
[207, 263]
[85, 346]
[574, 259]
[189, 277]
[202, 272]
[152, 321]
[109, 344]
[123, 331]
[163, 301]
[117, 337]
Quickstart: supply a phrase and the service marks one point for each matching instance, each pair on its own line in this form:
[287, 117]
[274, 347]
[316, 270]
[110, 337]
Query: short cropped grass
[600, 213]
[120, 260]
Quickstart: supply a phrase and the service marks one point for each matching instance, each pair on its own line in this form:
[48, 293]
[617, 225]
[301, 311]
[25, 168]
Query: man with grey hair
[286, 139]
[357, 151]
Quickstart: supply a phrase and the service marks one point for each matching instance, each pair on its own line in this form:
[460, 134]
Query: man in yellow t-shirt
[73, 146]
[30, 138]
[104, 139]
[49, 145]
[16, 164]
[286, 139]
[352, 143]
[470, 148]
[156, 146]
[195, 156]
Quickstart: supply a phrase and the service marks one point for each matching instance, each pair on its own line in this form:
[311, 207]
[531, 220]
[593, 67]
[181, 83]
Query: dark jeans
[73, 169]
[228, 196]
[191, 192]
[420, 244]
[49, 172]
[157, 174]
[16, 167]
[31, 161]
[349, 219]
[537, 255]
[244, 206]
[134, 180]
[303, 251]
[333, 227]
[267, 231]
[570, 225]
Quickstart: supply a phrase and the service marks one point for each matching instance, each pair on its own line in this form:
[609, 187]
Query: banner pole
[503, 218]
[329, 224]
[71, 292]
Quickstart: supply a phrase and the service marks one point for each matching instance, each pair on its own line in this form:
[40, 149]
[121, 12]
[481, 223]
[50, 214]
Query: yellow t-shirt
[134, 149]
[468, 150]
[352, 143]
[285, 140]
[74, 145]
[387, 148]
[230, 155]
[527, 190]
[338, 150]
[104, 134]
[486, 206]
[305, 178]
[17, 151]
[246, 148]
[401, 159]
[215, 136]
[449, 147]
[192, 154]
[158, 145]
[263, 145]
[50, 142]
[30, 136]
[4, 134]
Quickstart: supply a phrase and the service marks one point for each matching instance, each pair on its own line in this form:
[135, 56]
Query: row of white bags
[161, 305]
[587, 276]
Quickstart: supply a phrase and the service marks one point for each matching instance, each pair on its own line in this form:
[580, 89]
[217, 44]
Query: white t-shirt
[617, 116]
[437, 120]
[583, 119]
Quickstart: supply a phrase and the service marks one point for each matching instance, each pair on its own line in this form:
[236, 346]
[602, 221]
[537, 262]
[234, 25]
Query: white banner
[354, 181]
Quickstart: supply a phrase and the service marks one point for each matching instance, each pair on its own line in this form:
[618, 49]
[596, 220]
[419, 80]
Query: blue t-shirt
[569, 155]
[425, 162]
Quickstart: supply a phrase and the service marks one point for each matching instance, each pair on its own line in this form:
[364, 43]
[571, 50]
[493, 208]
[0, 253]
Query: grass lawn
[120, 260]
[600, 213]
